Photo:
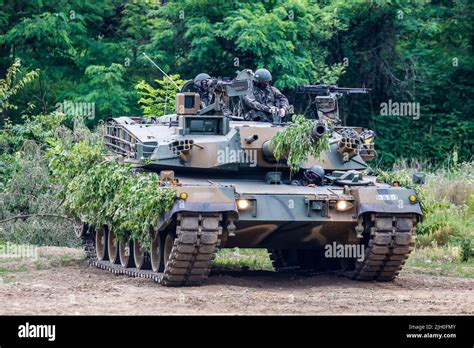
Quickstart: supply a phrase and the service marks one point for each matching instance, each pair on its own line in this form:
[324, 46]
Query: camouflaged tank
[231, 192]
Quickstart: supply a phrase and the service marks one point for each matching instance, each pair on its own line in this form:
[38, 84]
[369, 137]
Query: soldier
[265, 100]
[205, 85]
[312, 177]
[202, 82]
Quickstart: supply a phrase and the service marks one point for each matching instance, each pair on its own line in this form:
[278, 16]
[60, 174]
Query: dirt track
[79, 289]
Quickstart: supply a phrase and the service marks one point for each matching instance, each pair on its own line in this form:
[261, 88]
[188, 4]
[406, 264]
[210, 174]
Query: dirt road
[76, 288]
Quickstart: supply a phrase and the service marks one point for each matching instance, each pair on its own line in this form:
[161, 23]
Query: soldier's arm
[282, 100]
[252, 103]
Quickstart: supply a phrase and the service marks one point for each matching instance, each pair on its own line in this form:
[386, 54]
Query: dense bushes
[60, 175]
[447, 200]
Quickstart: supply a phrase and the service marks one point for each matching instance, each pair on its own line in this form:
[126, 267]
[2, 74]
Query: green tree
[161, 100]
[105, 89]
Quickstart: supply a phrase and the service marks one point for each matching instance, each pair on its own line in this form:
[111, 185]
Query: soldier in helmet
[312, 177]
[202, 82]
[205, 85]
[265, 100]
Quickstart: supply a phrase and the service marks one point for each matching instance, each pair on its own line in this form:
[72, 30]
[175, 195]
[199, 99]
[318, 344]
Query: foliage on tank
[296, 143]
[103, 191]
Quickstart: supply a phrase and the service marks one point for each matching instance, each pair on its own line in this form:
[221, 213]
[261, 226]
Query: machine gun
[213, 96]
[326, 99]
[328, 89]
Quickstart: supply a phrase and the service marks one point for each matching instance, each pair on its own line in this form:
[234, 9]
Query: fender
[202, 199]
[385, 200]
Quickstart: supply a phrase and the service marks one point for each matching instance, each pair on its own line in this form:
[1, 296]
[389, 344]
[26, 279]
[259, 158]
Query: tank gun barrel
[317, 132]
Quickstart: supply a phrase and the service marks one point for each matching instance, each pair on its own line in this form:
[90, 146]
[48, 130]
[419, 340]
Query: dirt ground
[74, 288]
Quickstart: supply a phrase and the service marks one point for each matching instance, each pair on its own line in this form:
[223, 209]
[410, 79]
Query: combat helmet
[262, 75]
[314, 175]
[200, 77]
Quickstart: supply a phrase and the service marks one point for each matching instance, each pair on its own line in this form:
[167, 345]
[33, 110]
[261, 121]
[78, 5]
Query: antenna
[156, 65]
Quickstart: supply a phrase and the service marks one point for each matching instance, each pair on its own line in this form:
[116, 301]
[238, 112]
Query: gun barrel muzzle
[318, 131]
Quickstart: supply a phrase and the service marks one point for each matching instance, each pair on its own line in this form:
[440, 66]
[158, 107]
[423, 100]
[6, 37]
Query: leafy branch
[295, 143]
[100, 191]
[11, 85]
[161, 100]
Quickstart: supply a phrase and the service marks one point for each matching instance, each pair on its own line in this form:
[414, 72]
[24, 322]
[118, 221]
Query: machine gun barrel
[327, 89]
[231, 88]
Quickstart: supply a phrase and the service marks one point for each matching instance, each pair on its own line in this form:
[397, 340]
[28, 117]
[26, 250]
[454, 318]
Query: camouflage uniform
[259, 102]
[206, 96]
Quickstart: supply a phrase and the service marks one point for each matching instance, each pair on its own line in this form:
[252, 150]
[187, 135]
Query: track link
[198, 236]
[390, 243]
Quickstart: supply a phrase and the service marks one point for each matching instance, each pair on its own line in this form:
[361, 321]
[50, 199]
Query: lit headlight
[243, 204]
[343, 205]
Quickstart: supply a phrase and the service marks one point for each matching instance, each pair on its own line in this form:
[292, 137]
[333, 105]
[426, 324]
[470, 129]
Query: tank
[232, 192]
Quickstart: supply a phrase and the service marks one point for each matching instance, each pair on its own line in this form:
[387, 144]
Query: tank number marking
[386, 197]
[400, 204]
[291, 203]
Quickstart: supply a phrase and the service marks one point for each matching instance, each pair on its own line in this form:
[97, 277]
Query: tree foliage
[416, 51]
[12, 84]
[161, 100]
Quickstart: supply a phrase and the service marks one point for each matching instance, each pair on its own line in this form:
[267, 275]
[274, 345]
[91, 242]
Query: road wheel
[156, 254]
[112, 245]
[101, 243]
[168, 248]
[140, 256]
[126, 254]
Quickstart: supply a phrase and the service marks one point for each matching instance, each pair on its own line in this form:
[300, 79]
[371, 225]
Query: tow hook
[231, 229]
[359, 229]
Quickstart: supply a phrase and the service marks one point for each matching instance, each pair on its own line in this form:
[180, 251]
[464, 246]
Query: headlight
[243, 204]
[343, 205]
[413, 199]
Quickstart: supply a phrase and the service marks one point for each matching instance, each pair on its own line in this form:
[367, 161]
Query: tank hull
[286, 216]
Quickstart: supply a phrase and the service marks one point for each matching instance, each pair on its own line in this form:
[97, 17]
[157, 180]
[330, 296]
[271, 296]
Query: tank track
[389, 243]
[198, 236]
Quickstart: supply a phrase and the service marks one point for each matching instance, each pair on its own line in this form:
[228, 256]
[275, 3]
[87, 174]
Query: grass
[440, 261]
[44, 258]
[20, 268]
[244, 258]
